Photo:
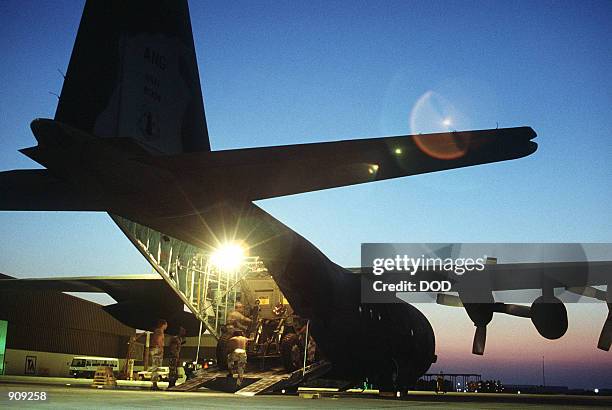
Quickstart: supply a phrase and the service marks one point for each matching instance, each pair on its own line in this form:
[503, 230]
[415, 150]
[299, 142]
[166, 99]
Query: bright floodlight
[228, 257]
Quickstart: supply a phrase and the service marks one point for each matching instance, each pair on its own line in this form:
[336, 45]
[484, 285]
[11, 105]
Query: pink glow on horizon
[514, 348]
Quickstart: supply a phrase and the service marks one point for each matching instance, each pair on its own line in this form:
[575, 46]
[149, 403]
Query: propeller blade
[589, 291]
[448, 300]
[605, 339]
[516, 310]
[480, 339]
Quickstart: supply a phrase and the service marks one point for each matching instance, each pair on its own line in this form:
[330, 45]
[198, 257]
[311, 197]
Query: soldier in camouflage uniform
[175, 356]
[156, 352]
[237, 357]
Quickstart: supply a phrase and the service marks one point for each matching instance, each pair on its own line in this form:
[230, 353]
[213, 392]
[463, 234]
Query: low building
[45, 329]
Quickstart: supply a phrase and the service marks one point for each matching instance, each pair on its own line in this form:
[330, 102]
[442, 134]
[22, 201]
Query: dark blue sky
[292, 72]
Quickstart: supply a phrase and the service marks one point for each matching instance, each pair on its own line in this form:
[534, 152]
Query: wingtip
[526, 131]
[532, 133]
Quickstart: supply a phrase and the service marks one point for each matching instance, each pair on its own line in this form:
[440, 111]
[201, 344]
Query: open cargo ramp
[264, 381]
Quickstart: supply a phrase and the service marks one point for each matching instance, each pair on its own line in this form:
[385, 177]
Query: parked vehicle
[86, 366]
[163, 371]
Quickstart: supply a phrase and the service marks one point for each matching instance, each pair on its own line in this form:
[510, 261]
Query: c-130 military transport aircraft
[129, 137]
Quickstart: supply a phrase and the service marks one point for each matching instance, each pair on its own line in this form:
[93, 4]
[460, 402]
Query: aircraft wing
[517, 276]
[141, 299]
[547, 313]
[523, 276]
[120, 288]
[259, 173]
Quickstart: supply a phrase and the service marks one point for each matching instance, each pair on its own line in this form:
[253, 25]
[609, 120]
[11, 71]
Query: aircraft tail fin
[133, 73]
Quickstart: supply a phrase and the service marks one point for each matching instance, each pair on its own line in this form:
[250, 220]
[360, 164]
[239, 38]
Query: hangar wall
[42, 363]
[57, 324]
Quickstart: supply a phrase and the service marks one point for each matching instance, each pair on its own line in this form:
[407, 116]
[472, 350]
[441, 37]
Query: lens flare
[228, 257]
[432, 113]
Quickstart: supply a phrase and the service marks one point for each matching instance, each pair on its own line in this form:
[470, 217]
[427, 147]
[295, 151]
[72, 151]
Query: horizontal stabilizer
[259, 173]
[36, 190]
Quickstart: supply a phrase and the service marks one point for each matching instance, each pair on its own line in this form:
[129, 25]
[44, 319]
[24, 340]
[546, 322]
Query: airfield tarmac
[85, 397]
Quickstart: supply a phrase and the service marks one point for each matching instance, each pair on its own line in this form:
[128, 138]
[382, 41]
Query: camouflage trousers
[236, 363]
[173, 362]
[156, 356]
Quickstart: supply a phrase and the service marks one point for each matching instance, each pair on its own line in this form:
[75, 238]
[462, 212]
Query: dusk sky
[290, 72]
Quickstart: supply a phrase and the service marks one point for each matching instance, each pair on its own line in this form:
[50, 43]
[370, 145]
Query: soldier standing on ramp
[237, 357]
[175, 355]
[156, 353]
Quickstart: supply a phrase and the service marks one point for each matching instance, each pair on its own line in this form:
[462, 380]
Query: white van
[163, 372]
[86, 366]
